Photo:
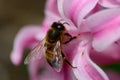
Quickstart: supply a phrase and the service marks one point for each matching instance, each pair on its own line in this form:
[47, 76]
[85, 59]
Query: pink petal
[45, 73]
[49, 19]
[68, 49]
[75, 10]
[95, 21]
[51, 13]
[106, 37]
[33, 69]
[105, 28]
[24, 38]
[86, 69]
[110, 3]
[60, 7]
[108, 56]
[51, 5]
[83, 26]
[113, 75]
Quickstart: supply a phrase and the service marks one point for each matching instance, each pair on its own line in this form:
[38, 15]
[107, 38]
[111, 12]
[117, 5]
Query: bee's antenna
[66, 23]
[63, 22]
[60, 20]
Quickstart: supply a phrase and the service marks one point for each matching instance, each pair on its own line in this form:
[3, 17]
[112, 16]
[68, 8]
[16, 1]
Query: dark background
[14, 14]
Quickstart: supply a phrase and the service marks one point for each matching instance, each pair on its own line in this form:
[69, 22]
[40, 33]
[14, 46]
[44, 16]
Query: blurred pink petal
[85, 27]
[51, 14]
[40, 70]
[86, 69]
[105, 27]
[113, 75]
[34, 69]
[110, 3]
[24, 38]
[108, 56]
[75, 10]
[49, 19]
[95, 21]
[51, 5]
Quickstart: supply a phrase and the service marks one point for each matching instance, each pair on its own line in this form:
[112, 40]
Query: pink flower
[99, 38]
[103, 27]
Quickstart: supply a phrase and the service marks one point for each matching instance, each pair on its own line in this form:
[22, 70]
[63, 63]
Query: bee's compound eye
[58, 26]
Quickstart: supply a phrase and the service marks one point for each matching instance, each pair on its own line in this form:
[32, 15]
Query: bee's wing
[57, 61]
[36, 53]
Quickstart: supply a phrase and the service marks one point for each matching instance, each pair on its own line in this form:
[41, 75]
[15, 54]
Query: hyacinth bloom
[97, 22]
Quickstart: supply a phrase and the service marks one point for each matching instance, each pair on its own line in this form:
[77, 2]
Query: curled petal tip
[15, 58]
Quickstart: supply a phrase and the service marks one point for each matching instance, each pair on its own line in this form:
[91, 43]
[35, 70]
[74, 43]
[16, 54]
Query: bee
[50, 46]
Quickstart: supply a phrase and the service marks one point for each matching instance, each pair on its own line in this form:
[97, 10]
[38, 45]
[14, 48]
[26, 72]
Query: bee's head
[58, 26]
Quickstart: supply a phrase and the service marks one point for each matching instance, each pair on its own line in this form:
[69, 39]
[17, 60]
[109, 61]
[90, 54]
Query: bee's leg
[71, 38]
[66, 60]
